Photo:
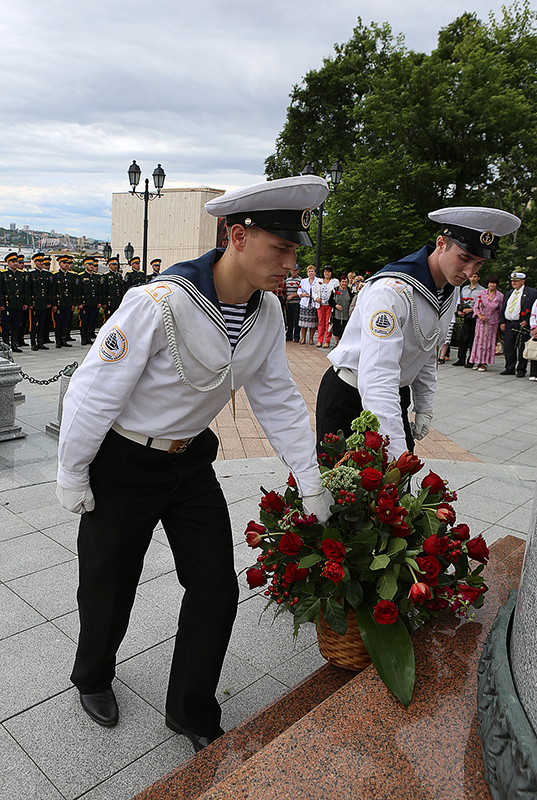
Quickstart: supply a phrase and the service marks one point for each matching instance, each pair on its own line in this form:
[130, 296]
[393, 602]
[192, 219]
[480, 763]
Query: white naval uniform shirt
[379, 346]
[129, 376]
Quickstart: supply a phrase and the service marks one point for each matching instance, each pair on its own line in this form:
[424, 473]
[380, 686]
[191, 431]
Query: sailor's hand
[76, 501]
[421, 425]
[319, 504]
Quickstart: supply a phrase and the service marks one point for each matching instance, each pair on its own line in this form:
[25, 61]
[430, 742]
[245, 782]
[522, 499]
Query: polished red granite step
[355, 740]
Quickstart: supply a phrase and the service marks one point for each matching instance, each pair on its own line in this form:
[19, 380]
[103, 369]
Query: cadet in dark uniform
[112, 288]
[155, 267]
[134, 277]
[90, 301]
[65, 296]
[40, 286]
[48, 324]
[13, 301]
[25, 322]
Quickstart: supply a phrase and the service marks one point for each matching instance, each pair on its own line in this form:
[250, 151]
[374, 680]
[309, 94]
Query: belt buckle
[179, 446]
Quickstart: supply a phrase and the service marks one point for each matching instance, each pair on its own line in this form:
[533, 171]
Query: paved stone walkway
[485, 432]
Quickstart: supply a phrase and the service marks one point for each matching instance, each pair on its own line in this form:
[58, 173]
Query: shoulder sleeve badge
[396, 284]
[114, 346]
[158, 291]
[382, 324]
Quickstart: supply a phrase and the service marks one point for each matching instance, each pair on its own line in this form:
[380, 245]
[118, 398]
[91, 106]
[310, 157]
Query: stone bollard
[10, 375]
[53, 428]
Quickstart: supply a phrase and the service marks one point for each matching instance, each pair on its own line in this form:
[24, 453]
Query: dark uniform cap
[61, 259]
[113, 260]
[281, 207]
[156, 261]
[38, 257]
[476, 230]
[134, 260]
[11, 257]
[88, 260]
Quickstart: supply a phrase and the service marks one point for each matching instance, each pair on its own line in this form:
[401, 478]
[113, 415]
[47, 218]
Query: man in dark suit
[515, 323]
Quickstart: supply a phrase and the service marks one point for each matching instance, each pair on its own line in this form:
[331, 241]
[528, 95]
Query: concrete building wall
[179, 228]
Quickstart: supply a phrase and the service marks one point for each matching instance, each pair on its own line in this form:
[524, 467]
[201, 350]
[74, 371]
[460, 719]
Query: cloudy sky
[201, 87]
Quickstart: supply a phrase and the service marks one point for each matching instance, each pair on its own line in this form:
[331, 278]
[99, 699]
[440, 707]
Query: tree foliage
[416, 132]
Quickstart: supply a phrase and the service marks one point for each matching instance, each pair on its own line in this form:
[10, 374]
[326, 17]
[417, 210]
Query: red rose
[408, 464]
[291, 481]
[290, 543]
[430, 566]
[461, 532]
[272, 502]
[333, 549]
[446, 513]
[477, 549]
[253, 533]
[361, 457]
[419, 593]
[334, 571]
[385, 612]
[293, 574]
[373, 440]
[435, 545]
[433, 483]
[255, 577]
[470, 593]
[370, 479]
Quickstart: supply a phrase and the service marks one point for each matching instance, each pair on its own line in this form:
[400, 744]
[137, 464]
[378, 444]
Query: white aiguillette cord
[171, 324]
[423, 343]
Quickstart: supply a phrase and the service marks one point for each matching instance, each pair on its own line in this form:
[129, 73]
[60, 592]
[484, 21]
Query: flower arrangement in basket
[387, 559]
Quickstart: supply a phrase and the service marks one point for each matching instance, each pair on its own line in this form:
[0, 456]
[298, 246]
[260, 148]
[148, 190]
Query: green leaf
[395, 546]
[309, 560]
[387, 585]
[306, 610]
[335, 616]
[332, 533]
[353, 592]
[412, 563]
[391, 651]
[379, 562]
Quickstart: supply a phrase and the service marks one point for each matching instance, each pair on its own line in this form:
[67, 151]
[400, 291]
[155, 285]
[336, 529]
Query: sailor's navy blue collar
[196, 278]
[414, 269]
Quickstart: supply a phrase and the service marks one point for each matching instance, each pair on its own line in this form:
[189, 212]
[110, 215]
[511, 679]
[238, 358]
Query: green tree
[417, 132]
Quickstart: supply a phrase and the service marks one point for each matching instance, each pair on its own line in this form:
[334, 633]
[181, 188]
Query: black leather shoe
[469, 365]
[198, 742]
[101, 707]
[458, 364]
[507, 372]
[521, 374]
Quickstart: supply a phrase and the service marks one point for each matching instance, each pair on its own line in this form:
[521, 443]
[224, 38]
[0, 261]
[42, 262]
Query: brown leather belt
[173, 446]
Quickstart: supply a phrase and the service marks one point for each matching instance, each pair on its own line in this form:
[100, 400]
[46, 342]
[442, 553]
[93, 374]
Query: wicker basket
[347, 651]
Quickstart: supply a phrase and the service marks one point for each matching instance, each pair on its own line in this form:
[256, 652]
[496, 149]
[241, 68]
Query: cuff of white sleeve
[74, 481]
[309, 482]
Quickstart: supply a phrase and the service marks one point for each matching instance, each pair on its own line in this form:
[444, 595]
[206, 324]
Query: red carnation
[361, 457]
[334, 571]
[373, 440]
[461, 532]
[290, 543]
[272, 502]
[419, 593]
[433, 483]
[435, 545]
[385, 612]
[255, 577]
[291, 481]
[370, 479]
[333, 549]
[430, 566]
[477, 549]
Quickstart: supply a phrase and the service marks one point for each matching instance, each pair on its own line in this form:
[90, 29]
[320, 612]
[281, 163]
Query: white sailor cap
[282, 207]
[476, 229]
[518, 276]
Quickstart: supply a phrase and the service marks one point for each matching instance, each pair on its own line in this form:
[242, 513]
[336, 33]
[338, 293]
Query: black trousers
[514, 342]
[293, 328]
[338, 404]
[135, 487]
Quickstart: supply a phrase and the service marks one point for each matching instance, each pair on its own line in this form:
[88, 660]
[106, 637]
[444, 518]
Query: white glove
[319, 504]
[76, 501]
[421, 425]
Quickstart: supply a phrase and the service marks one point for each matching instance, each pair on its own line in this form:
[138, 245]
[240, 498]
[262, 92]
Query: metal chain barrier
[68, 370]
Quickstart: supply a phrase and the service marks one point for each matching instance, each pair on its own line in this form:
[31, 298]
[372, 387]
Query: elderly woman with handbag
[307, 315]
[530, 351]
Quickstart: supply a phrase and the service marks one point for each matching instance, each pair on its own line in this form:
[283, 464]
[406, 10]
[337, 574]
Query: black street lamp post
[129, 251]
[107, 251]
[159, 175]
[336, 172]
